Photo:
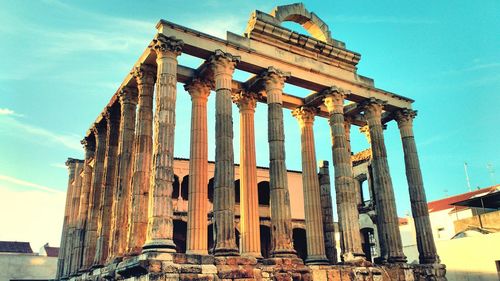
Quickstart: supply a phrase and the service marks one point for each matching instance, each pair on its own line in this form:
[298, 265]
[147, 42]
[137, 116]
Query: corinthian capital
[128, 95]
[245, 100]
[99, 130]
[223, 63]
[144, 74]
[305, 115]
[405, 116]
[334, 99]
[274, 78]
[166, 46]
[372, 108]
[198, 89]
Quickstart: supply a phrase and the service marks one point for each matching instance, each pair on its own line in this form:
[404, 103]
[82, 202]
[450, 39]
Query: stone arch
[297, 13]
[300, 242]
[180, 233]
[185, 187]
[237, 193]
[175, 187]
[263, 193]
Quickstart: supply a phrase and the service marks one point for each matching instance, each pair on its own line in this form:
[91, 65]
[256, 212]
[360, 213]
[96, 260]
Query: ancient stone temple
[135, 212]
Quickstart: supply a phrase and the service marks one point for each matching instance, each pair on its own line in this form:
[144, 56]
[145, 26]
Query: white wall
[22, 266]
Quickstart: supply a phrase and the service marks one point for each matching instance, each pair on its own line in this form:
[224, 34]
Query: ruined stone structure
[121, 223]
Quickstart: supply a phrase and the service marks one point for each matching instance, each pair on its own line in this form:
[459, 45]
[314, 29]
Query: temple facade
[135, 212]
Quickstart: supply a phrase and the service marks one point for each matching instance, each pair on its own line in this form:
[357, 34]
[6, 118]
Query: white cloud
[6, 111]
[20, 182]
[14, 127]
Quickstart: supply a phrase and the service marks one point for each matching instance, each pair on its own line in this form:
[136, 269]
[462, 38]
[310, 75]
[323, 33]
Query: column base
[256, 255]
[159, 245]
[397, 259]
[284, 253]
[197, 252]
[316, 260]
[221, 252]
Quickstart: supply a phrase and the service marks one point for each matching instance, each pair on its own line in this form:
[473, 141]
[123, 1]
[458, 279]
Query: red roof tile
[446, 203]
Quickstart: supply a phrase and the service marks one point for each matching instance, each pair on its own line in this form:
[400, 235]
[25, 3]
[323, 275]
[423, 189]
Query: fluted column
[347, 128]
[112, 116]
[197, 232]
[73, 217]
[222, 65]
[62, 262]
[310, 185]
[249, 197]
[281, 219]
[121, 196]
[141, 170]
[345, 188]
[327, 212]
[160, 224]
[391, 247]
[89, 144]
[425, 240]
[100, 130]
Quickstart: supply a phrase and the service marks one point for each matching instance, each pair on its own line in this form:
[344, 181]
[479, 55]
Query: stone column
[222, 65]
[425, 240]
[249, 197]
[160, 225]
[327, 212]
[145, 76]
[197, 232]
[347, 128]
[310, 185]
[89, 143]
[281, 219]
[345, 189]
[73, 218]
[121, 196]
[62, 261]
[100, 130]
[112, 116]
[391, 247]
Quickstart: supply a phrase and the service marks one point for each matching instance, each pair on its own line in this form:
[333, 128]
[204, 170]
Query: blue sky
[62, 60]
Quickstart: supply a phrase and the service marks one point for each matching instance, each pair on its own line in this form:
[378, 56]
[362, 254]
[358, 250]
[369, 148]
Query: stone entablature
[140, 237]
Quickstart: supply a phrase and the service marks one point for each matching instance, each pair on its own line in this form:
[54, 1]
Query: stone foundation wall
[166, 267]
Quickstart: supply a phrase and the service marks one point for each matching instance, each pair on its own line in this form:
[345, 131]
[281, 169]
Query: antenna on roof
[491, 171]
[467, 176]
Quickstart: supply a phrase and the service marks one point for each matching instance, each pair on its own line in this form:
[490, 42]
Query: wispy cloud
[6, 111]
[15, 127]
[381, 19]
[24, 183]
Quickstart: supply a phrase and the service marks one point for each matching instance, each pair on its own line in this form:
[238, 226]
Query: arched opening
[365, 192]
[175, 188]
[210, 239]
[180, 233]
[264, 193]
[237, 191]
[368, 242]
[211, 190]
[237, 237]
[265, 240]
[300, 242]
[185, 187]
